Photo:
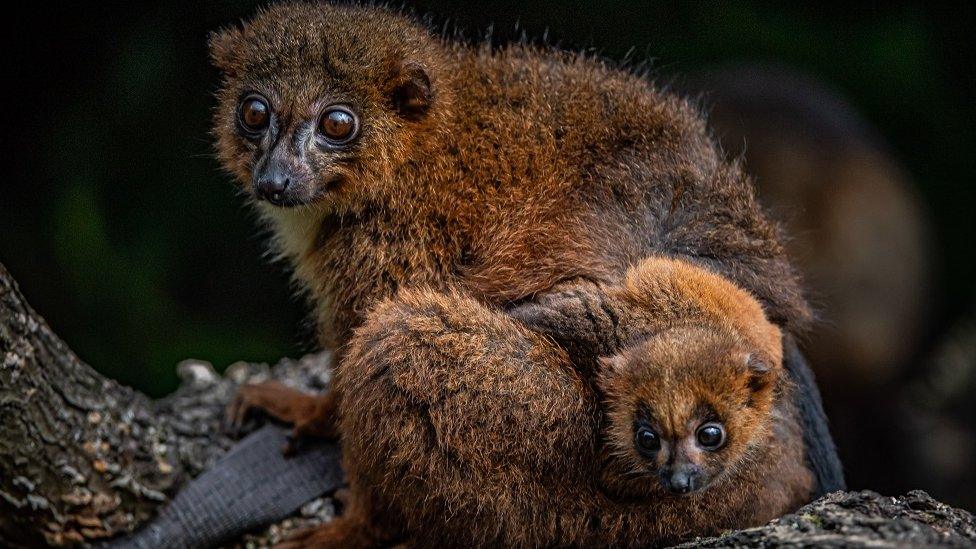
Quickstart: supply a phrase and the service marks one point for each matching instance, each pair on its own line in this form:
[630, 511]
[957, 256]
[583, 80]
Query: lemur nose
[681, 481]
[272, 187]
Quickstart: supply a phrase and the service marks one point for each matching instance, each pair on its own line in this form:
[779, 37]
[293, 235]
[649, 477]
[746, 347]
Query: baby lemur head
[318, 99]
[685, 406]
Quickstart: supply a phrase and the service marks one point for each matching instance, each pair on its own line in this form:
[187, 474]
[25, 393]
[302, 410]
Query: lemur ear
[761, 374]
[410, 91]
[223, 44]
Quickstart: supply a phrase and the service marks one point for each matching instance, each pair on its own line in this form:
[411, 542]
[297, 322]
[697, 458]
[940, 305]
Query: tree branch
[81, 456]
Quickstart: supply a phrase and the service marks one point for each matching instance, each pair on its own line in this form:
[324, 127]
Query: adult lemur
[428, 195]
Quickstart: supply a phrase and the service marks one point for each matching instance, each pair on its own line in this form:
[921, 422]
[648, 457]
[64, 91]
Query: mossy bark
[81, 457]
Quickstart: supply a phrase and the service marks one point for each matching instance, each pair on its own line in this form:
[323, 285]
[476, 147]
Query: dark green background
[125, 235]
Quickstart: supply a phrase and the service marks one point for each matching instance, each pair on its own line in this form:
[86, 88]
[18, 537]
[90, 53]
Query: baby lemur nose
[681, 480]
[271, 186]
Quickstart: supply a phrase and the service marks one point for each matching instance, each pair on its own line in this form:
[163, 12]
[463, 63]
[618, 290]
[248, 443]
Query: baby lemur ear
[761, 374]
[223, 44]
[410, 91]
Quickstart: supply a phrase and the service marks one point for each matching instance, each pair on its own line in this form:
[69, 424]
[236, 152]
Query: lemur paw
[241, 408]
[273, 398]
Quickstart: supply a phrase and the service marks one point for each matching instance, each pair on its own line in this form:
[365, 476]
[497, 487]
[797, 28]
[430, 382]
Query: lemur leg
[311, 415]
[578, 316]
[457, 420]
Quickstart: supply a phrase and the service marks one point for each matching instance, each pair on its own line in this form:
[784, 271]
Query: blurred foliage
[125, 235]
[116, 219]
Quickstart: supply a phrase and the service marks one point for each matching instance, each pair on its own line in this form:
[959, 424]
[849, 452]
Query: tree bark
[860, 519]
[81, 456]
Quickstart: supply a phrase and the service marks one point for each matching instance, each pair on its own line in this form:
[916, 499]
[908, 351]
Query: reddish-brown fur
[530, 170]
[478, 431]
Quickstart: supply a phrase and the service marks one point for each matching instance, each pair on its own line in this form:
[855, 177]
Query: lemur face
[312, 109]
[686, 405]
[297, 158]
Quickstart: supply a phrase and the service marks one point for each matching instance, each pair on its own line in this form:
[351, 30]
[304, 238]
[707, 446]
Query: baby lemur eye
[339, 125]
[647, 440]
[710, 436]
[255, 114]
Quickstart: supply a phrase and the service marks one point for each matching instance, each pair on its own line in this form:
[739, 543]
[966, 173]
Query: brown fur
[472, 429]
[697, 349]
[526, 170]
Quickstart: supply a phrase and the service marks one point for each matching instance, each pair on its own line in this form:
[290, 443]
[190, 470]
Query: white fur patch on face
[294, 229]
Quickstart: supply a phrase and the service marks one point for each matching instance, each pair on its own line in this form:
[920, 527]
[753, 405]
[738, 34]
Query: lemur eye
[338, 125]
[647, 440]
[710, 436]
[255, 113]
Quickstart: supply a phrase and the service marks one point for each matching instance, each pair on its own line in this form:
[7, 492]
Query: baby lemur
[696, 388]
[423, 190]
